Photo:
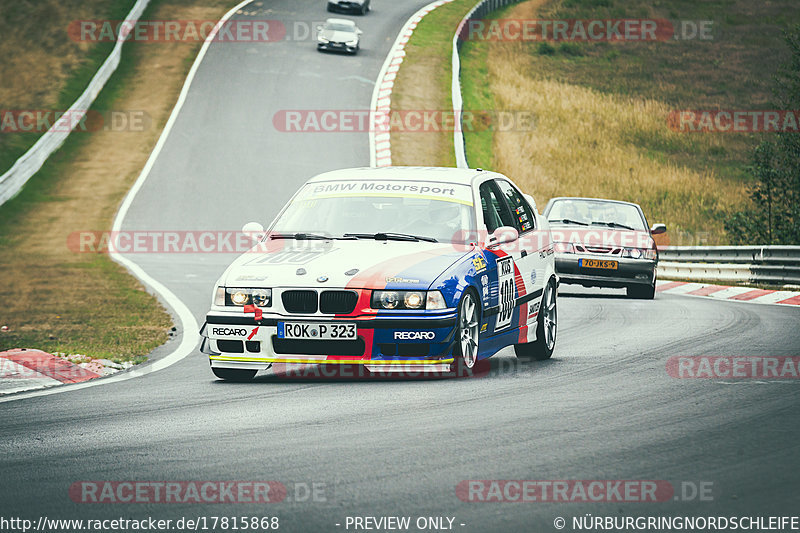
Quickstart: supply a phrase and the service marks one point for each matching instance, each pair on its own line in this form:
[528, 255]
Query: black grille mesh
[338, 302]
[300, 301]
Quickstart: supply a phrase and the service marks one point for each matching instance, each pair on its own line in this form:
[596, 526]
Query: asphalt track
[603, 408]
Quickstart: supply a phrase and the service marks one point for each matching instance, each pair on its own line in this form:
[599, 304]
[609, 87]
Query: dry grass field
[600, 109]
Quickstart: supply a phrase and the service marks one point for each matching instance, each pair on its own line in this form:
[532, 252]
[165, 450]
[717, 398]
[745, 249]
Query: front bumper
[383, 344]
[629, 271]
[337, 47]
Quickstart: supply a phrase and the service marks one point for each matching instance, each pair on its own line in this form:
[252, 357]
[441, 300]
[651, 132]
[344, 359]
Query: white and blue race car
[396, 269]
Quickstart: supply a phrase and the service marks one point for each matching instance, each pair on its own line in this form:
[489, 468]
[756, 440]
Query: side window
[523, 217]
[495, 210]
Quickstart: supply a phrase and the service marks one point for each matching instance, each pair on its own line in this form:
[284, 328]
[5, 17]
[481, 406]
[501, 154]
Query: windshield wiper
[391, 236]
[568, 221]
[304, 236]
[613, 225]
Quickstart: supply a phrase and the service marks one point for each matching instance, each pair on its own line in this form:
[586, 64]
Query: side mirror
[319, 28]
[359, 32]
[658, 229]
[254, 230]
[503, 235]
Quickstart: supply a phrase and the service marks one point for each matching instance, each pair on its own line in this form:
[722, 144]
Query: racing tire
[364, 10]
[234, 374]
[465, 353]
[642, 292]
[546, 329]
[330, 9]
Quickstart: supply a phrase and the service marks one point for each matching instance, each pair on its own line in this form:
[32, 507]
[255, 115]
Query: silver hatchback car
[604, 243]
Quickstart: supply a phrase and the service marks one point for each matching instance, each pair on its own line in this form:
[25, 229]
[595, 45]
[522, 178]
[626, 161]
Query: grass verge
[423, 84]
[601, 108]
[58, 300]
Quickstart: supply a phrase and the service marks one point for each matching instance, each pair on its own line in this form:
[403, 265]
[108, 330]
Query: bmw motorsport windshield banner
[429, 190]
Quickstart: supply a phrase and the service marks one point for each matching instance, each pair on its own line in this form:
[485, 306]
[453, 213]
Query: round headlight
[389, 300]
[414, 300]
[239, 298]
[261, 297]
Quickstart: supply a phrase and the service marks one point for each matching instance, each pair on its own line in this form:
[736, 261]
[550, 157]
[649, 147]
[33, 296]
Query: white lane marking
[189, 325]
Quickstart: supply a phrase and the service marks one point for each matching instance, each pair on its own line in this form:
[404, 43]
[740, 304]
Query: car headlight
[413, 300]
[261, 297]
[352, 43]
[639, 253]
[564, 247]
[238, 297]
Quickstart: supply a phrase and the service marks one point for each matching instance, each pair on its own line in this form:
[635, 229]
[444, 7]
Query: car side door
[504, 273]
[529, 251]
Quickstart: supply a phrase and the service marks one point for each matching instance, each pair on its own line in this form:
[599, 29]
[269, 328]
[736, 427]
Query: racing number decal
[505, 279]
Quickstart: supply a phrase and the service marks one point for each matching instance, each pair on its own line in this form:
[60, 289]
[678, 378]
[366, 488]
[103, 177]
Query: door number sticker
[505, 279]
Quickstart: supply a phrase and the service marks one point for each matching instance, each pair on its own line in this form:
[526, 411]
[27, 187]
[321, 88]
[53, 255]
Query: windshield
[596, 213]
[430, 210]
[339, 27]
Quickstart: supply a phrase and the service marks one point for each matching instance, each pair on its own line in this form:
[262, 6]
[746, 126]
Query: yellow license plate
[599, 263]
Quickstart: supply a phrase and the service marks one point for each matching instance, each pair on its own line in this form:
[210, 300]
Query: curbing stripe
[729, 293]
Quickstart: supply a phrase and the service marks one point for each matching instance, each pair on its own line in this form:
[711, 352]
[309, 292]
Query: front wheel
[465, 354]
[234, 374]
[546, 328]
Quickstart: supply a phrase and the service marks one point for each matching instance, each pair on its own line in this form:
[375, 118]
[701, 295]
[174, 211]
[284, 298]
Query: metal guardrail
[481, 9]
[31, 161]
[769, 265]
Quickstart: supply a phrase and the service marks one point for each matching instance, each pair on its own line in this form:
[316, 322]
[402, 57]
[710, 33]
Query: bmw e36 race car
[396, 268]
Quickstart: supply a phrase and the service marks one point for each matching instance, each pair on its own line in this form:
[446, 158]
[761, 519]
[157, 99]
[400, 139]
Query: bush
[774, 217]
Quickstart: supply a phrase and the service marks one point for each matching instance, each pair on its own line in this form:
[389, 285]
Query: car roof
[341, 21]
[592, 200]
[462, 176]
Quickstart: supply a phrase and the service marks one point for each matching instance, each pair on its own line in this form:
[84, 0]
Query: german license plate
[599, 263]
[340, 331]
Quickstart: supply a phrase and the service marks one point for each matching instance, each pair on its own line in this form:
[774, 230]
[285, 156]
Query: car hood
[338, 36]
[600, 236]
[356, 264]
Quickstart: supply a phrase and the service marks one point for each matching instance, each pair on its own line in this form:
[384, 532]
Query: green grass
[424, 83]
[477, 94]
